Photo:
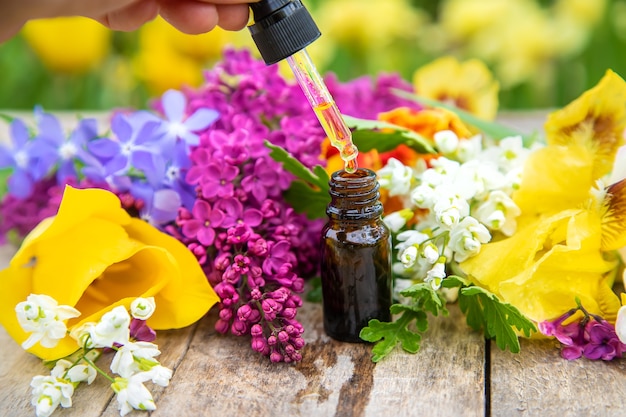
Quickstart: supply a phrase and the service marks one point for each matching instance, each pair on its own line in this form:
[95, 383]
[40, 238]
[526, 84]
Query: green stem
[100, 371]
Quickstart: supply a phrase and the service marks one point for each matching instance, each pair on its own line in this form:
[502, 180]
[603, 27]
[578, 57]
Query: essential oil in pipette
[356, 256]
[338, 133]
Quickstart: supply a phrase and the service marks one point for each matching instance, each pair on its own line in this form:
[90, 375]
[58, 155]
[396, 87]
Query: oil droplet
[351, 166]
[338, 133]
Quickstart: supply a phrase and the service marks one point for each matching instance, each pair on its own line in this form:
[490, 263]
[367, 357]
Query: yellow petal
[68, 44]
[187, 295]
[501, 260]
[469, 85]
[614, 217]
[555, 178]
[94, 257]
[595, 121]
[547, 264]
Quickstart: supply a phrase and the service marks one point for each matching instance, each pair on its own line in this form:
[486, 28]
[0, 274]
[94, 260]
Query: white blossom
[408, 256]
[410, 238]
[134, 357]
[77, 373]
[467, 237]
[469, 149]
[397, 220]
[395, 177]
[111, 329]
[423, 196]
[620, 323]
[498, 212]
[49, 392]
[436, 275]
[450, 210]
[508, 154]
[430, 253]
[447, 141]
[142, 308]
[475, 178]
[132, 393]
[82, 335]
[444, 166]
[160, 375]
[42, 316]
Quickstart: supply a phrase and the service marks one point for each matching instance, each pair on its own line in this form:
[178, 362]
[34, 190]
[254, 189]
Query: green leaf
[307, 200]
[308, 194]
[4, 180]
[452, 281]
[384, 136]
[492, 129]
[314, 295]
[388, 335]
[426, 298]
[484, 311]
[317, 177]
[6, 117]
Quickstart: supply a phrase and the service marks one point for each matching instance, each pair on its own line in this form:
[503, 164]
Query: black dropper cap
[281, 28]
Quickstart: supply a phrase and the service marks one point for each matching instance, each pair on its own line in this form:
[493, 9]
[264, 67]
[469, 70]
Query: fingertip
[131, 17]
[189, 16]
[233, 16]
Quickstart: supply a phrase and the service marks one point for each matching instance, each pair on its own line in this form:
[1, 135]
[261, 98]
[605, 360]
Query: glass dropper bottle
[282, 29]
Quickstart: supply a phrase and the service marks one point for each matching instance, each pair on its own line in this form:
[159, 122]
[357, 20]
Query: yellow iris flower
[468, 85]
[569, 230]
[93, 256]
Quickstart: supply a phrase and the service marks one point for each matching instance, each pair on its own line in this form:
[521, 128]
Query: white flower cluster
[460, 200]
[134, 361]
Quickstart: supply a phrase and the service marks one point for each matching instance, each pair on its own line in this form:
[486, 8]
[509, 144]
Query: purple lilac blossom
[589, 336]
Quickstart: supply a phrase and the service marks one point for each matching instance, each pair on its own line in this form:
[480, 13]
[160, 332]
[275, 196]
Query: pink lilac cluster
[591, 337]
[255, 249]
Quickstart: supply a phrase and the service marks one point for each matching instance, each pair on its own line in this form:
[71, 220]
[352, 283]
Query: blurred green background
[544, 53]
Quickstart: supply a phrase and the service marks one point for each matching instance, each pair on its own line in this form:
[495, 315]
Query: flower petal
[187, 295]
[596, 121]
[614, 217]
[201, 119]
[174, 105]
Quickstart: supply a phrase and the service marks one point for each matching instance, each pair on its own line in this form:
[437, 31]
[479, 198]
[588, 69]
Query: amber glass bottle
[356, 256]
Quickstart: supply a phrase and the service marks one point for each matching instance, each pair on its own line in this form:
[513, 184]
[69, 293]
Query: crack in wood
[355, 393]
[313, 370]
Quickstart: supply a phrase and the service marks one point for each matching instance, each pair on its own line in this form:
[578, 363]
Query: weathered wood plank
[221, 375]
[538, 382]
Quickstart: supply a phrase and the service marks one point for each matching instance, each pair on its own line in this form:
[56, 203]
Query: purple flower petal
[19, 133]
[174, 103]
[201, 119]
[6, 157]
[20, 184]
[104, 147]
[116, 165]
[122, 129]
[50, 129]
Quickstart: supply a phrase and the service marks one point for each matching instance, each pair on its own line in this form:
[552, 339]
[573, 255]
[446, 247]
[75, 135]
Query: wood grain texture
[538, 382]
[222, 375]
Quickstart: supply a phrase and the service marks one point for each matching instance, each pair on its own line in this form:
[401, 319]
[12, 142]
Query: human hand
[188, 16]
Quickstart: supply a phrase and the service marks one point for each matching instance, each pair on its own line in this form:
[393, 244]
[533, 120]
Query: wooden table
[456, 373]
